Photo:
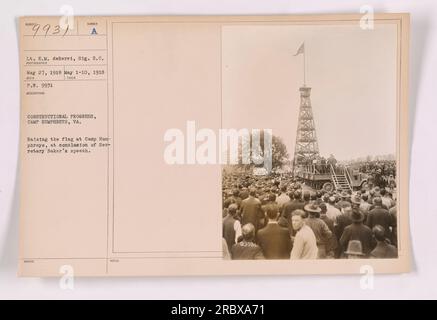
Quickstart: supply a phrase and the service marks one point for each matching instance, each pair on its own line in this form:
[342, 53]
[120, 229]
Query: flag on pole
[301, 49]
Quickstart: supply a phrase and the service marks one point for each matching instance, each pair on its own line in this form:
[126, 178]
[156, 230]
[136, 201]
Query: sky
[352, 73]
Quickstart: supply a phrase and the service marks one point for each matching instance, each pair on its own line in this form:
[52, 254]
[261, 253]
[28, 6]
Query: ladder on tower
[340, 179]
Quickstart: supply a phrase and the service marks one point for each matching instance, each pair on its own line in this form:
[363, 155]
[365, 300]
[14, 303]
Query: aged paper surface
[101, 95]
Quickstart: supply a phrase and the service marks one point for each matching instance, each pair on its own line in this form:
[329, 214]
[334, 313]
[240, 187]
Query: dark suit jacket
[381, 216]
[274, 241]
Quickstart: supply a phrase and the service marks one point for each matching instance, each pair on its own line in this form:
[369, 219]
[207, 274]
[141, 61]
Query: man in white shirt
[231, 226]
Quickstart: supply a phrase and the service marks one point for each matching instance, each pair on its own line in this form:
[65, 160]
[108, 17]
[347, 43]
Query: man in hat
[332, 161]
[231, 226]
[331, 210]
[319, 227]
[247, 249]
[357, 231]
[381, 216]
[305, 243]
[251, 210]
[394, 231]
[383, 249]
[274, 240]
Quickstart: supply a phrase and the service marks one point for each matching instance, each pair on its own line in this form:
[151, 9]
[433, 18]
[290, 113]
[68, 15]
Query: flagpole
[304, 68]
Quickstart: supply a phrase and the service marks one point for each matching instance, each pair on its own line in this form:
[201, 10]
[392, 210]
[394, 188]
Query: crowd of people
[280, 217]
